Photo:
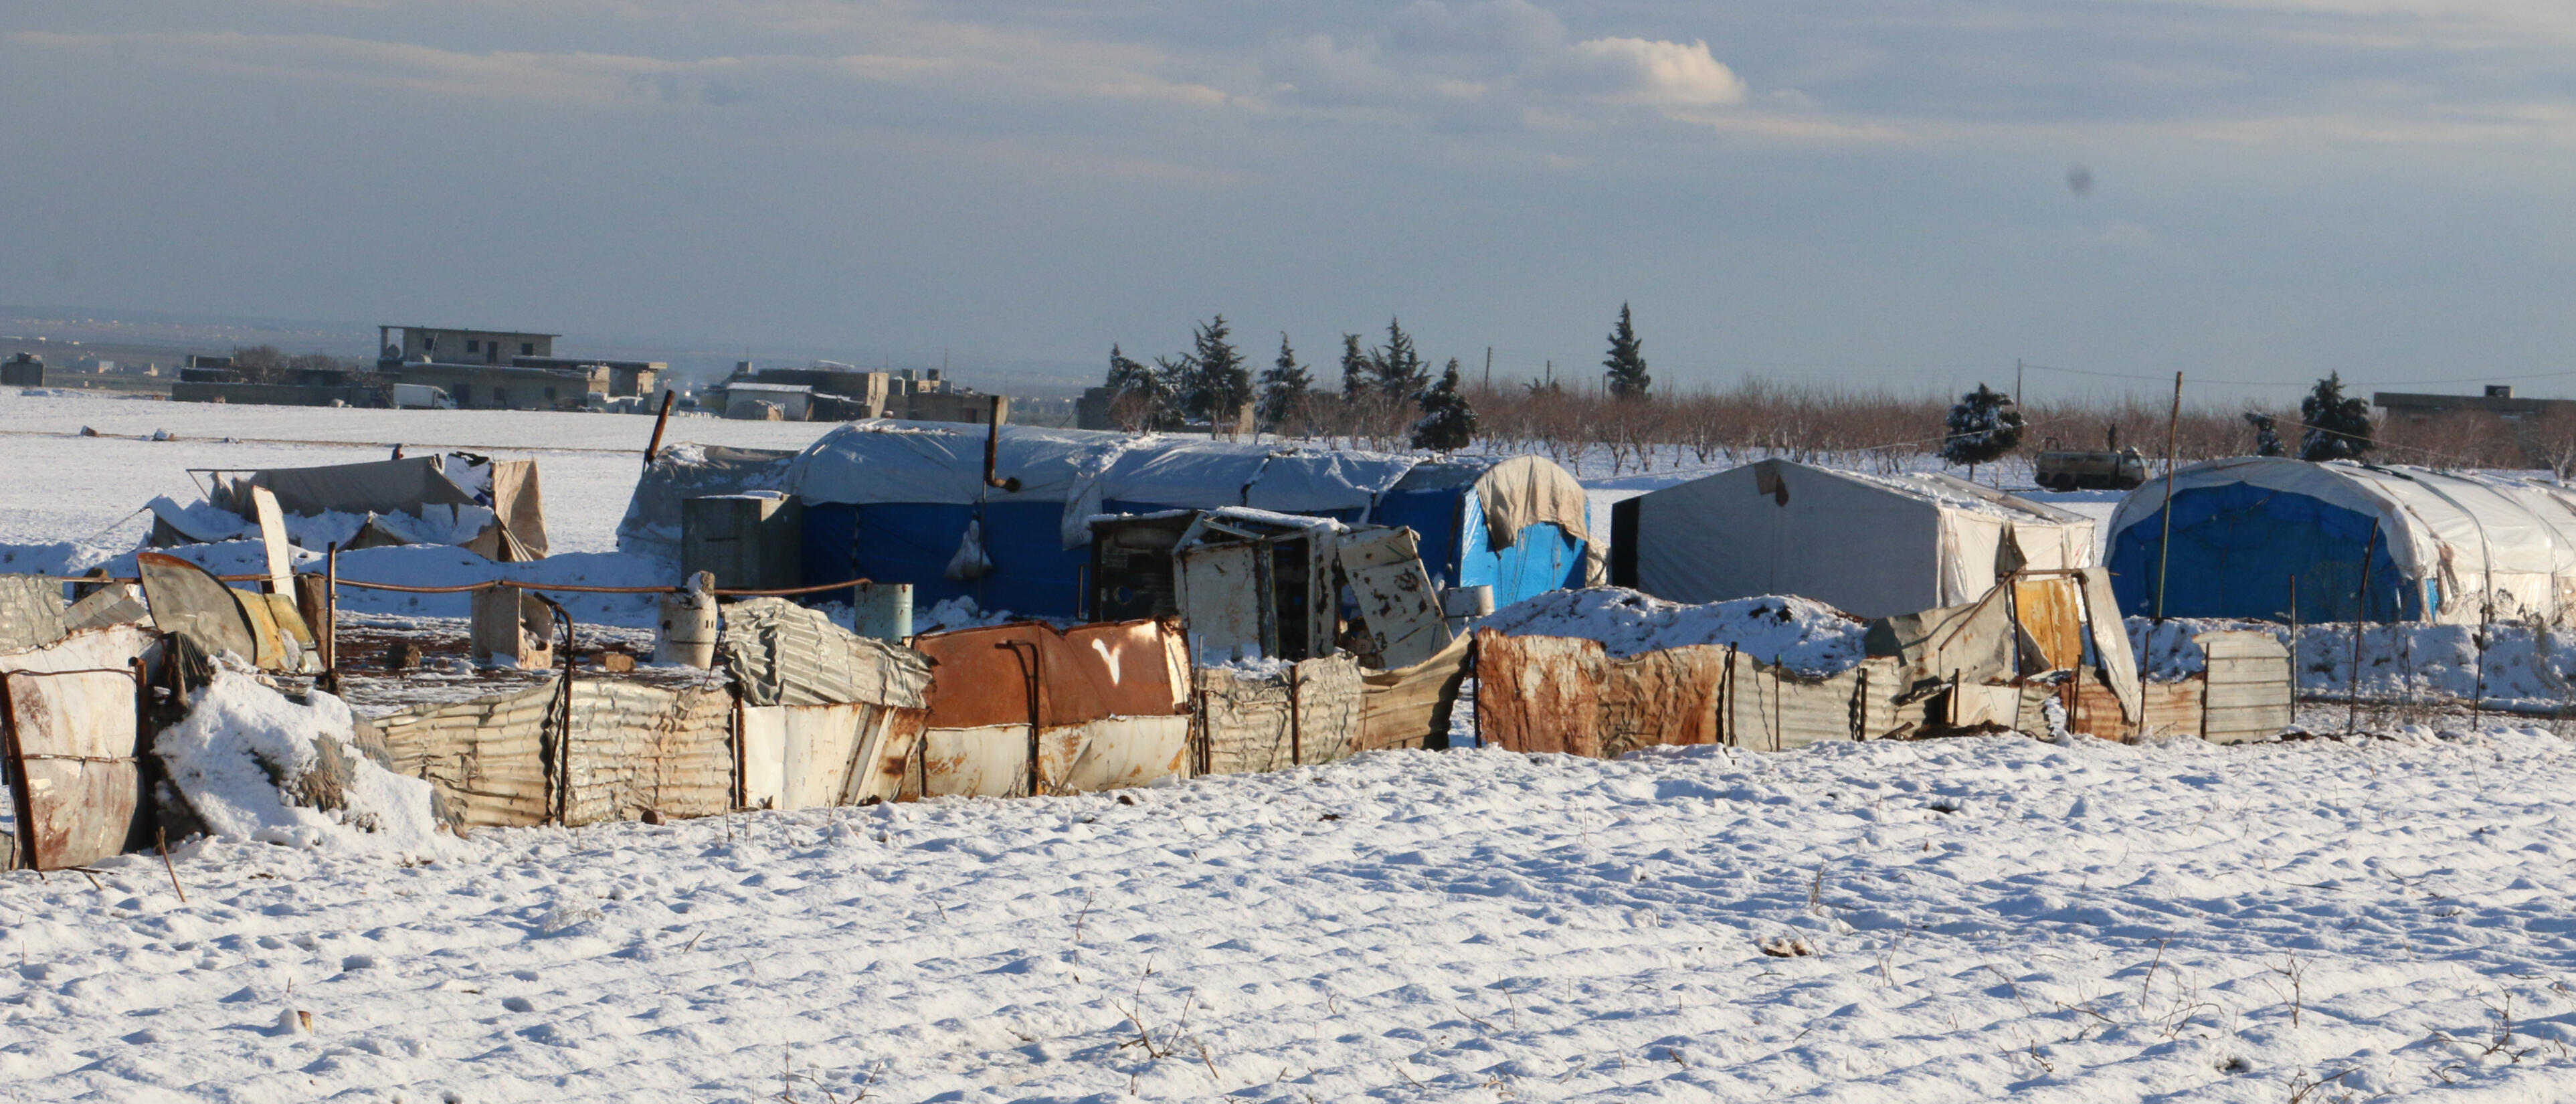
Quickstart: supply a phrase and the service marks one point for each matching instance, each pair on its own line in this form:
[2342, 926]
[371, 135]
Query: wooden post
[1296, 728]
[2294, 648]
[2360, 617]
[331, 608]
[2164, 547]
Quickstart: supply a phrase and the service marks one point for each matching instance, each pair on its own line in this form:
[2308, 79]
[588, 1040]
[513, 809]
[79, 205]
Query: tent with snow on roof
[2443, 547]
[908, 502]
[1874, 545]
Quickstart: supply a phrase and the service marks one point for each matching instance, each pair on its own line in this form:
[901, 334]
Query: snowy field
[1953, 920]
[73, 487]
[1978, 918]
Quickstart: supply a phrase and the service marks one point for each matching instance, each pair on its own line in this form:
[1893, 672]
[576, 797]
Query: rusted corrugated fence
[1563, 694]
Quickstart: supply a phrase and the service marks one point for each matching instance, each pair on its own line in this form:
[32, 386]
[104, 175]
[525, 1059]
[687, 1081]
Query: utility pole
[1489, 367]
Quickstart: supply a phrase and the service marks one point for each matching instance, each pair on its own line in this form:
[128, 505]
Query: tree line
[1387, 393]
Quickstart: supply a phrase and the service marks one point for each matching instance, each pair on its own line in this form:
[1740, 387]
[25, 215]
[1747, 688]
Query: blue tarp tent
[895, 501]
[2436, 541]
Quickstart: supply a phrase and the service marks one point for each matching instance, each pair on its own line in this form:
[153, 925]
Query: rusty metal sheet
[1409, 707]
[72, 741]
[1397, 602]
[1539, 693]
[888, 773]
[1668, 696]
[188, 600]
[2052, 619]
[978, 761]
[1113, 753]
[1130, 669]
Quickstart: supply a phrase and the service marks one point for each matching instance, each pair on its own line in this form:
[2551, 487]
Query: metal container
[687, 633]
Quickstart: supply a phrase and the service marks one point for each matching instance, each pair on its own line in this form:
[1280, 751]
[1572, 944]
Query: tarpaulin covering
[1305, 713]
[2117, 666]
[781, 653]
[1871, 544]
[1564, 694]
[682, 472]
[2444, 547]
[891, 501]
[1973, 642]
[73, 738]
[378, 487]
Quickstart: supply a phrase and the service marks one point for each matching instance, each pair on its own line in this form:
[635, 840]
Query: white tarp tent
[2449, 537]
[885, 461]
[1874, 545]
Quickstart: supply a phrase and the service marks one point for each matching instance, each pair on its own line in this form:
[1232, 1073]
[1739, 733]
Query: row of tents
[2248, 538]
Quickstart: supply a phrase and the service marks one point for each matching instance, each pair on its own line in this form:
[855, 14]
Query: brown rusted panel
[889, 769]
[2052, 617]
[1539, 693]
[72, 737]
[1661, 697]
[1094, 671]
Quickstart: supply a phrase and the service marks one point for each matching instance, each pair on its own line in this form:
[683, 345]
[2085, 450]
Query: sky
[1908, 194]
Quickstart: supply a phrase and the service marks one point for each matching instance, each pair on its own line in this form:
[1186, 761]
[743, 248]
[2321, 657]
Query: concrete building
[2498, 401]
[453, 346]
[751, 401]
[840, 393]
[508, 387]
[23, 370]
[625, 377]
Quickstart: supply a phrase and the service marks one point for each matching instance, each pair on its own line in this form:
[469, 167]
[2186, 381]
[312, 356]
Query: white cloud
[1662, 74]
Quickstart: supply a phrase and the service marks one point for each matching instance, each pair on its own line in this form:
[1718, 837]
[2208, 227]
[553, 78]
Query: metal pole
[331, 608]
[2360, 617]
[2164, 547]
[659, 423]
[2294, 647]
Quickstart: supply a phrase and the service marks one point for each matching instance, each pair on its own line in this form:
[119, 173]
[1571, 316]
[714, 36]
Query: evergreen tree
[1448, 422]
[1221, 383]
[1983, 426]
[1284, 387]
[2267, 434]
[1626, 378]
[2338, 428]
[1355, 368]
[1398, 371]
[1141, 391]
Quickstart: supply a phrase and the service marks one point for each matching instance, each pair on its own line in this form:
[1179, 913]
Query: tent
[1874, 545]
[392, 498]
[681, 472]
[2436, 540]
[908, 502]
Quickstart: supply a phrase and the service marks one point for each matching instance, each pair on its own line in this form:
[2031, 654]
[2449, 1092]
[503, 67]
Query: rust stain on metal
[72, 738]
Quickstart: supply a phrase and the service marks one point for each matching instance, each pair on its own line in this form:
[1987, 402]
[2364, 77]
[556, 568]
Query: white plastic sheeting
[884, 461]
[1873, 545]
[2472, 532]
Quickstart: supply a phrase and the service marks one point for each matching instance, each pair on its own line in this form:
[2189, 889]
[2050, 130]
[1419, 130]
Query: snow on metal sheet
[72, 740]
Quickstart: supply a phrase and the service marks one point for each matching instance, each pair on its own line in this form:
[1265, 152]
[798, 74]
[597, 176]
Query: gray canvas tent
[1874, 545]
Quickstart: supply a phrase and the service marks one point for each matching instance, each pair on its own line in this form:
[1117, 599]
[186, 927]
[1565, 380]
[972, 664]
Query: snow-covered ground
[71, 487]
[1978, 918]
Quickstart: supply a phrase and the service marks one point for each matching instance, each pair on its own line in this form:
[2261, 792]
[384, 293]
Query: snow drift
[1810, 636]
[253, 764]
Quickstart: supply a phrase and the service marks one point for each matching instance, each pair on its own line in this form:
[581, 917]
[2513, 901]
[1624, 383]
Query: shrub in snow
[251, 763]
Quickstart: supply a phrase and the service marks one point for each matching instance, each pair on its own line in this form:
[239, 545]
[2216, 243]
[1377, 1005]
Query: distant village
[438, 368]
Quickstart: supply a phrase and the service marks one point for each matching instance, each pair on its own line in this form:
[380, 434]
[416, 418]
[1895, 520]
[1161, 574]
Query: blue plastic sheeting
[2235, 547]
[1032, 572]
[1545, 558]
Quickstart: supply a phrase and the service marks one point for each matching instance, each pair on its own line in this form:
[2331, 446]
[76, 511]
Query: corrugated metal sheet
[72, 740]
[2051, 615]
[486, 756]
[636, 748]
[1246, 724]
[2249, 692]
[782, 653]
